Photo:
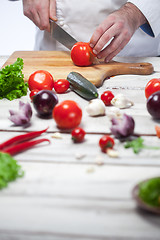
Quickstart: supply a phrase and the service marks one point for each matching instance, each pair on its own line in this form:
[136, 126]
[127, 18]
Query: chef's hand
[116, 30]
[39, 11]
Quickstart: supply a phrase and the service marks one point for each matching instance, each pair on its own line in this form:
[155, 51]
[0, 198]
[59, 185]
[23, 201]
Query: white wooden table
[62, 197]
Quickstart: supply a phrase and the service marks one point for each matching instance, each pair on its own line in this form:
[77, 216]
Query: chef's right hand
[39, 11]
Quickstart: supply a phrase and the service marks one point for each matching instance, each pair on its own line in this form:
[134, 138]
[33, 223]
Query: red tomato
[67, 114]
[33, 93]
[78, 134]
[82, 54]
[106, 142]
[41, 80]
[152, 86]
[61, 85]
[106, 97]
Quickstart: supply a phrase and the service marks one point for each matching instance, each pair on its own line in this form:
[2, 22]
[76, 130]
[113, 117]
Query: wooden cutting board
[59, 64]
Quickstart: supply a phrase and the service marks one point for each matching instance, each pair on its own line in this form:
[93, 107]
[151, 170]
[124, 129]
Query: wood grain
[59, 64]
[48, 204]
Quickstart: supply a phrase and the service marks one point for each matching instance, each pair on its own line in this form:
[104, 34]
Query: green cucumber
[82, 86]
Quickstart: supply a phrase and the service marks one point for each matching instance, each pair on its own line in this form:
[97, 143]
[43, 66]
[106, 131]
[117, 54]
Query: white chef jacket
[80, 19]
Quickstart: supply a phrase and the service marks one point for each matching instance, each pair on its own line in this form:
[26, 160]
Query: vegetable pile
[67, 114]
[12, 83]
[9, 169]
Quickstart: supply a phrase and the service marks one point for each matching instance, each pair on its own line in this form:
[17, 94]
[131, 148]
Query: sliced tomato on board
[82, 54]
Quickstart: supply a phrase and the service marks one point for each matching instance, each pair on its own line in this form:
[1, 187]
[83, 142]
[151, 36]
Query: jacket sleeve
[151, 10]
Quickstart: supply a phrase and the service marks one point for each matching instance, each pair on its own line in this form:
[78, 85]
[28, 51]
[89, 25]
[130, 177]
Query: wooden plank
[100, 124]
[65, 201]
[59, 64]
[77, 219]
[87, 152]
[78, 181]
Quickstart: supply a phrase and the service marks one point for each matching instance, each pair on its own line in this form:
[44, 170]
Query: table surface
[74, 191]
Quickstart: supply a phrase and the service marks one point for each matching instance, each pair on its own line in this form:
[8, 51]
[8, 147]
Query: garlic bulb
[96, 107]
[121, 101]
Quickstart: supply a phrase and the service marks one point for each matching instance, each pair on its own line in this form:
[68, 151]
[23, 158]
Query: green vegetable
[149, 191]
[138, 145]
[12, 83]
[9, 169]
[82, 86]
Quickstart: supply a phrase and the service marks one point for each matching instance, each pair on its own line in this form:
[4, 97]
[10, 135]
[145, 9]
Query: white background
[16, 31]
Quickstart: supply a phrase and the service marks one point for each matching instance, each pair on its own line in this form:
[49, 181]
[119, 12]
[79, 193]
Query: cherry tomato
[41, 80]
[106, 142]
[78, 134]
[33, 93]
[67, 114]
[106, 97]
[61, 85]
[152, 86]
[82, 54]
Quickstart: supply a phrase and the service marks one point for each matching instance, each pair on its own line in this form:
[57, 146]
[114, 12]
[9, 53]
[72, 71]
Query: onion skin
[122, 127]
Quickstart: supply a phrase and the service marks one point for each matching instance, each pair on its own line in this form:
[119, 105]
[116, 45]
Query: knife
[61, 35]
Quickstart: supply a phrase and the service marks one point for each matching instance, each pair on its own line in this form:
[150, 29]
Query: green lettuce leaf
[12, 83]
[9, 169]
[149, 191]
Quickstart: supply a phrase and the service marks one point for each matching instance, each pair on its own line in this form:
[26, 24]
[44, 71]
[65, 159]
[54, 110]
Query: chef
[113, 27]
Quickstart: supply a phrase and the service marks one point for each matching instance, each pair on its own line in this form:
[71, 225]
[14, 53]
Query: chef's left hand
[116, 30]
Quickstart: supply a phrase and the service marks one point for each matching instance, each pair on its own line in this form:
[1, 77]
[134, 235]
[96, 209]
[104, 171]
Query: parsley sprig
[138, 145]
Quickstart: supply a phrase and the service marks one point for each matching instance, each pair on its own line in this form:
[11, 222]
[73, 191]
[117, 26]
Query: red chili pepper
[14, 149]
[21, 138]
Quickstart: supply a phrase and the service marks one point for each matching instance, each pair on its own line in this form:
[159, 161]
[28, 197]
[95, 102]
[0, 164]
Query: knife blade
[61, 35]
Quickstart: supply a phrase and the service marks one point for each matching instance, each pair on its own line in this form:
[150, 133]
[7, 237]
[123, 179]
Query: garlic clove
[112, 153]
[114, 112]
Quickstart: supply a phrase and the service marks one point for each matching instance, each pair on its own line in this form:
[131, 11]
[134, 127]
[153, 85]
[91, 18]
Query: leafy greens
[138, 145]
[149, 191]
[9, 169]
[12, 83]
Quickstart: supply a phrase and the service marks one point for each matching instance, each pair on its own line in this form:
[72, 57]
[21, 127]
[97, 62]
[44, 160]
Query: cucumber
[82, 86]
